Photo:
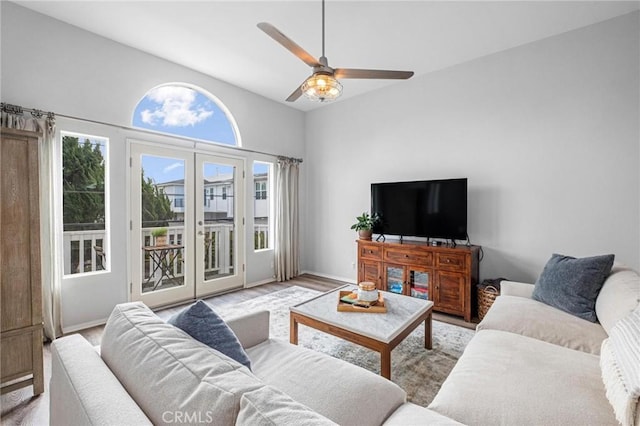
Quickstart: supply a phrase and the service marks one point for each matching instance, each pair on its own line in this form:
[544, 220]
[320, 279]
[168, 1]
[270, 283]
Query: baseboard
[90, 324]
[83, 326]
[331, 277]
[261, 282]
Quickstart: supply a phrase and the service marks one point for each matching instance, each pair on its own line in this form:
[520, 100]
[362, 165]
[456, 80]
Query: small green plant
[365, 222]
[159, 232]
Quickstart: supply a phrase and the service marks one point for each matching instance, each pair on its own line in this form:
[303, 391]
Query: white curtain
[51, 277]
[51, 273]
[286, 221]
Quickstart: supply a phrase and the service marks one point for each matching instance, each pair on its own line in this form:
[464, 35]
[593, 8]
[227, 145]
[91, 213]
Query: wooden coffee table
[380, 332]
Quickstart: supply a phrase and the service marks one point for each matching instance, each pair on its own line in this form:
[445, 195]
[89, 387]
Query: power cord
[481, 254]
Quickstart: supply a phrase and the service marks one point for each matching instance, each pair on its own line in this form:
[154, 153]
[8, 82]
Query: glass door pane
[395, 279]
[161, 225]
[219, 223]
[162, 229]
[419, 283]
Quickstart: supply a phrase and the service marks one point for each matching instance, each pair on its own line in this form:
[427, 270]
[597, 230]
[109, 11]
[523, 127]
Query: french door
[187, 232]
[219, 208]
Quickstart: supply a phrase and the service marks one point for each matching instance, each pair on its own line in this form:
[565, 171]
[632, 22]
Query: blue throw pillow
[572, 285]
[203, 324]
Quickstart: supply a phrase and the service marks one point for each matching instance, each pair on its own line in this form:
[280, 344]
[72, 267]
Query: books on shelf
[395, 287]
[420, 292]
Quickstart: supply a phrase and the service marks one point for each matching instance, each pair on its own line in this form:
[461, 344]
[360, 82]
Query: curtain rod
[16, 109]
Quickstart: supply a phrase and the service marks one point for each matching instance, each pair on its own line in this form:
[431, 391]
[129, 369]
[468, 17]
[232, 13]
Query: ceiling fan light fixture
[322, 87]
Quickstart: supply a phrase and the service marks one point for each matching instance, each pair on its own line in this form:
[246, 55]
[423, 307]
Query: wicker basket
[486, 296]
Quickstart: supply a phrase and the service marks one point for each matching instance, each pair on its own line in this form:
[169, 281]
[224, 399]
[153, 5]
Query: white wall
[547, 134]
[50, 65]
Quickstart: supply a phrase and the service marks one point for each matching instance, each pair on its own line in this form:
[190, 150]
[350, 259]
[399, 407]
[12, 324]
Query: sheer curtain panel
[51, 262]
[286, 220]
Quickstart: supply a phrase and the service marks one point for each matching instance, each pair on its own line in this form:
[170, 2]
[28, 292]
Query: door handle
[200, 233]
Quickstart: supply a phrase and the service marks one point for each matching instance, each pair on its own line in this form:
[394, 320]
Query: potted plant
[160, 236]
[365, 224]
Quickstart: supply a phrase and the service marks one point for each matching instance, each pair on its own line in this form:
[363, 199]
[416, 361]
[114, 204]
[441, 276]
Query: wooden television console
[444, 274]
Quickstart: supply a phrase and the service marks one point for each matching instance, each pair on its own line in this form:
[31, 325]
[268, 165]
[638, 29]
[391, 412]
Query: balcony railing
[261, 237]
[80, 254]
[83, 250]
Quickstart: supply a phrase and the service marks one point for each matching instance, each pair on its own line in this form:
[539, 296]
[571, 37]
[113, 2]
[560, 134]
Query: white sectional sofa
[528, 364]
[149, 372]
[532, 364]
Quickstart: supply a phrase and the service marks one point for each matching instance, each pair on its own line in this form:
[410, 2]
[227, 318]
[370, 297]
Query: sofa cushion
[250, 328]
[572, 285]
[169, 374]
[78, 375]
[531, 318]
[504, 378]
[268, 406]
[345, 393]
[620, 363]
[203, 324]
[515, 288]
[412, 414]
[619, 296]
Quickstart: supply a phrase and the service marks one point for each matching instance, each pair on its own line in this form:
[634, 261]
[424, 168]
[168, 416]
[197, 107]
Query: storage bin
[487, 293]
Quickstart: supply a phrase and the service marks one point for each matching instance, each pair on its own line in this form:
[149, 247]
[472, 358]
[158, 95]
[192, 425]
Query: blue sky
[186, 112]
[183, 111]
[162, 169]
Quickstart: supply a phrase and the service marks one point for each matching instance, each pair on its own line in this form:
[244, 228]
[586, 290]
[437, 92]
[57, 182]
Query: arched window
[185, 110]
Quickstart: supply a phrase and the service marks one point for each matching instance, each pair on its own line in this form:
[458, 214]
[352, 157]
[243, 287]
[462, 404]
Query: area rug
[418, 371]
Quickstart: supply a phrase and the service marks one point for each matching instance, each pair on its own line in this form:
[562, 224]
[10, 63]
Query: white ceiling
[220, 38]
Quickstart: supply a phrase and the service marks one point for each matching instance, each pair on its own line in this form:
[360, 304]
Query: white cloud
[173, 166]
[176, 107]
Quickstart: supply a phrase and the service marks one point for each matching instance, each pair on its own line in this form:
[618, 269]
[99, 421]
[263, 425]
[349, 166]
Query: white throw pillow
[620, 364]
[268, 406]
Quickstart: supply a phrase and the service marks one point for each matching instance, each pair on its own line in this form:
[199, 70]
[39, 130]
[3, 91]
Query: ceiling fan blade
[288, 44]
[295, 95]
[381, 74]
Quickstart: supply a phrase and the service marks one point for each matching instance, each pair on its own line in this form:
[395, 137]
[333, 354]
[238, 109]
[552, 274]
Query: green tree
[83, 189]
[156, 206]
[83, 184]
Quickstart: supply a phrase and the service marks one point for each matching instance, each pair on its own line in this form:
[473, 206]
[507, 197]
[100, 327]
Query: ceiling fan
[323, 84]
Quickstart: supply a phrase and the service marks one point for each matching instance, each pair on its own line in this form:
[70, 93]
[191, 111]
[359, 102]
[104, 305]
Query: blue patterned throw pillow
[572, 285]
[203, 324]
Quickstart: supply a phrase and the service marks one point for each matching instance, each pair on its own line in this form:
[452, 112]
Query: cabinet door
[449, 294]
[394, 279]
[20, 286]
[419, 282]
[370, 271]
[20, 243]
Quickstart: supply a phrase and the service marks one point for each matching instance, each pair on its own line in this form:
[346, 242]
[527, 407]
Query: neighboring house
[218, 197]
[260, 198]
[174, 190]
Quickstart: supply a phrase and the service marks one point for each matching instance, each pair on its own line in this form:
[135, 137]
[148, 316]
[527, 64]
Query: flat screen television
[428, 208]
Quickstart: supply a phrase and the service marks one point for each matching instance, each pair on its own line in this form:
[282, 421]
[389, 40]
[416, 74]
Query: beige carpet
[418, 371]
